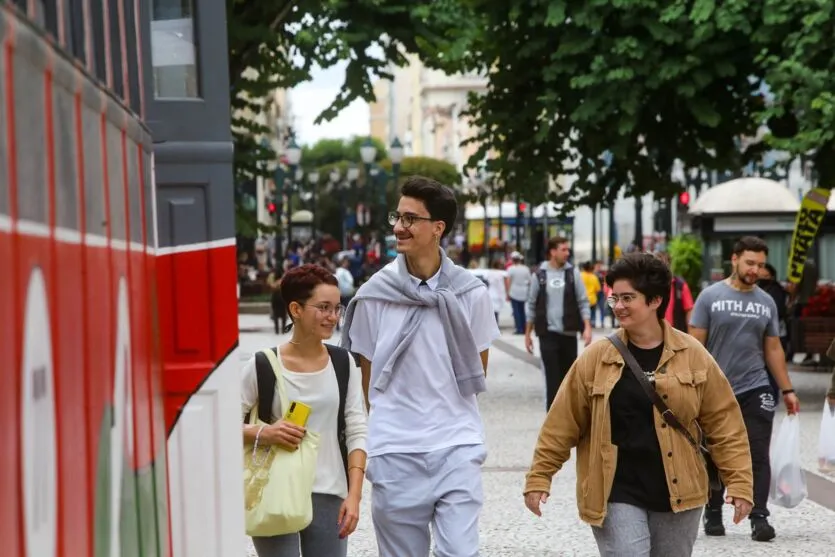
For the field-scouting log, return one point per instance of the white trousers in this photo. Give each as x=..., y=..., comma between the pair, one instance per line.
x=411, y=491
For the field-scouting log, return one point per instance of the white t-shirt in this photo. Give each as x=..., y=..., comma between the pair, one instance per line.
x=320, y=391
x=520, y=280
x=421, y=410
x=345, y=280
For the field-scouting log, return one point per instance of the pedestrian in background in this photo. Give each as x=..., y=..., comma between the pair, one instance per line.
x=739, y=325
x=642, y=483
x=593, y=288
x=681, y=299
x=517, y=284
x=557, y=309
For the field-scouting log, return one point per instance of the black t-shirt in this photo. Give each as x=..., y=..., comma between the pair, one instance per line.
x=640, y=479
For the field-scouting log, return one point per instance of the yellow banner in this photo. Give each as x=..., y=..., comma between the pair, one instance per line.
x=809, y=219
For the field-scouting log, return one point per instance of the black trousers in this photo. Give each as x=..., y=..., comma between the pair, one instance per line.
x=558, y=353
x=757, y=408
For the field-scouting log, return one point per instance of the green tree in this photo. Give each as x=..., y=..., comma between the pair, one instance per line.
x=330, y=151
x=609, y=94
x=332, y=205
x=277, y=44
x=798, y=57
x=686, y=256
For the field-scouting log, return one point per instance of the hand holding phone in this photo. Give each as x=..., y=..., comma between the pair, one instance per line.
x=284, y=434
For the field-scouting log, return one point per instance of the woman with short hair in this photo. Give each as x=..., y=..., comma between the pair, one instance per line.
x=641, y=483
x=311, y=295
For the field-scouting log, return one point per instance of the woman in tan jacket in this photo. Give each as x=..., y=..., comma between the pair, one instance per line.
x=641, y=484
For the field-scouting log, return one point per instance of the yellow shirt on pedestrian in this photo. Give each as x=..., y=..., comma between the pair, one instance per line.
x=592, y=286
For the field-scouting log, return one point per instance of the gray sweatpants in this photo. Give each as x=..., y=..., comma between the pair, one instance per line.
x=413, y=490
x=319, y=539
x=630, y=531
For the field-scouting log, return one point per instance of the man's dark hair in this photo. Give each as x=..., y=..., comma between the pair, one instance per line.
x=750, y=243
x=647, y=274
x=439, y=199
x=556, y=241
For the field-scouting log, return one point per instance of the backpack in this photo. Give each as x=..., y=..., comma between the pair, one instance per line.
x=267, y=384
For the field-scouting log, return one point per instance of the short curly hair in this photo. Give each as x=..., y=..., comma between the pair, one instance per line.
x=647, y=274
x=298, y=283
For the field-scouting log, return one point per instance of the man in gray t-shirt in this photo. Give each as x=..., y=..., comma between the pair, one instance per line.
x=738, y=323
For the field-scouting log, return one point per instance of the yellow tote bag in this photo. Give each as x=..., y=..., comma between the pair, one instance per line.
x=278, y=484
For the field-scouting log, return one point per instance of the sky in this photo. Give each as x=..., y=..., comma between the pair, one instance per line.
x=310, y=98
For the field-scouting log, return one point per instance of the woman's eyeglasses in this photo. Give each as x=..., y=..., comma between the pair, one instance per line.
x=626, y=299
x=327, y=309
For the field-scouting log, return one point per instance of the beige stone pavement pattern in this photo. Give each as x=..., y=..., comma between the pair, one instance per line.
x=513, y=410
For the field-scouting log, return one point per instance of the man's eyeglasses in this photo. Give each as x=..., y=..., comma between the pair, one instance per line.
x=327, y=309
x=408, y=219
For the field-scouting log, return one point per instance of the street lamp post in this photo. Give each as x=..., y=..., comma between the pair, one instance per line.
x=313, y=178
x=294, y=157
x=368, y=154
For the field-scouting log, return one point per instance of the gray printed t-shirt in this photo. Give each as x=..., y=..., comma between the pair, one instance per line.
x=737, y=324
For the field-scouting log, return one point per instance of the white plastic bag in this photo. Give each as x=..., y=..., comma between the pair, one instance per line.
x=826, y=441
x=788, y=482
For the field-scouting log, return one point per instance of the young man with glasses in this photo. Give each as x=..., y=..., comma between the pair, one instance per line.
x=422, y=327
x=558, y=309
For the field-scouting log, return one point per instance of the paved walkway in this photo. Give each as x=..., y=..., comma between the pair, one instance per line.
x=513, y=410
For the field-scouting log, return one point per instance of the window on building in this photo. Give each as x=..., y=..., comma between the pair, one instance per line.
x=4, y=166
x=99, y=55
x=173, y=51
x=134, y=192
x=116, y=183
x=93, y=173
x=115, y=30
x=66, y=175
x=132, y=57
x=30, y=138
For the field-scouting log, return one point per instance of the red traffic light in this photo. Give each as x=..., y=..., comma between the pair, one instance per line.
x=271, y=207
x=523, y=207
x=684, y=198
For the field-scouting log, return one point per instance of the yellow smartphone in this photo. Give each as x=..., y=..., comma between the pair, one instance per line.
x=297, y=413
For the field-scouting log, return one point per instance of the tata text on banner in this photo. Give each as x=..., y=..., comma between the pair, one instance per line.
x=809, y=218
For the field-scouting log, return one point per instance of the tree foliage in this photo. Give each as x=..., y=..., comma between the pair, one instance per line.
x=798, y=56
x=277, y=44
x=333, y=204
x=608, y=94
x=329, y=151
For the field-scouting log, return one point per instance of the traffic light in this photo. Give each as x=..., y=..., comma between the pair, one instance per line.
x=683, y=202
x=271, y=207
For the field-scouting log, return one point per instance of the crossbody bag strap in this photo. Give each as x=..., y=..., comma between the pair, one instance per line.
x=666, y=414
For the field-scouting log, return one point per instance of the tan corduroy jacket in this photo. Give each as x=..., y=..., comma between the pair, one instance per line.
x=695, y=389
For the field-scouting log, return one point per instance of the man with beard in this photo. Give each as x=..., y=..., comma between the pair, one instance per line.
x=422, y=327
x=738, y=323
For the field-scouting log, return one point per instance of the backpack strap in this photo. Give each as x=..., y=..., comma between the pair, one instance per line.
x=265, y=374
x=342, y=367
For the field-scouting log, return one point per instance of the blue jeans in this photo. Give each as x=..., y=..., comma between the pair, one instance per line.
x=518, y=315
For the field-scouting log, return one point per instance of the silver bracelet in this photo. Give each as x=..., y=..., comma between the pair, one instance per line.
x=257, y=440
